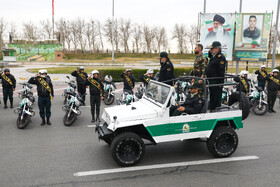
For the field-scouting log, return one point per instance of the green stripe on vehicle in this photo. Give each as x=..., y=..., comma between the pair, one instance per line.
x=188, y=127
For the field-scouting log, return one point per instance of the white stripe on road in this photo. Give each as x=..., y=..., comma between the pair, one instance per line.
x=160, y=166
x=92, y=126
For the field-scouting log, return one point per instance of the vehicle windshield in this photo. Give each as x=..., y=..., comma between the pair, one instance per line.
x=157, y=92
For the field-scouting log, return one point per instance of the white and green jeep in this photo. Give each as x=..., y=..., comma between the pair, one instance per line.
x=126, y=126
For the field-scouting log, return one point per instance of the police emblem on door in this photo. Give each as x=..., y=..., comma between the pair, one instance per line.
x=186, y=128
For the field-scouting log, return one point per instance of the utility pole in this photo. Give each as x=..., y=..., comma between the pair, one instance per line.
x=240, y=6
x=113, y=30
x=204, y=7
x=275, y=37
x=53, y=17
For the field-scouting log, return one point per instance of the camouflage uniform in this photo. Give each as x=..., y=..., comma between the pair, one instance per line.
x=200, y=64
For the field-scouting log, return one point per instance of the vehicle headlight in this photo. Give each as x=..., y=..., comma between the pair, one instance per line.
x=77, y=103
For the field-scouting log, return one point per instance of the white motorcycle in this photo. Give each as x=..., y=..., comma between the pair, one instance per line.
x=109, y=90
x=25, y=110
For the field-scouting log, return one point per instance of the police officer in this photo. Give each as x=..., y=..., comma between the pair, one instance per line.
x=149, y=75
x=45, y=94
x=192, y=105
x=245, y=82
x=273, y=86
x=81, y=77
x=166, y=70
x=262, y=75
x=128, y=81
x=9, y=85
x=96, y=94
x=200, y=62
x=216, y=68
x=252, y=31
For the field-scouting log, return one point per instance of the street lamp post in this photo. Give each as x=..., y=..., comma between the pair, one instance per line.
x=275, y=37
x=112, y=30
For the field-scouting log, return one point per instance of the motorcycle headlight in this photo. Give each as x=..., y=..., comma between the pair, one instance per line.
x=77, y=103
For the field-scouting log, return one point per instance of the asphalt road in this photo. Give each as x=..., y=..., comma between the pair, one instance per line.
x=50, y=155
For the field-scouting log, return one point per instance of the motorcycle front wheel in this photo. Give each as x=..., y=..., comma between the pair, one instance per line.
x=259, y=110
x=69, y=120
x=108, y=100
x=24, y=122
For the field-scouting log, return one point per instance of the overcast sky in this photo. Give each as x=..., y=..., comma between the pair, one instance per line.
x=153, y=12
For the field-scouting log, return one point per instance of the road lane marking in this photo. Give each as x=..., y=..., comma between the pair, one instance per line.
x=92, y=126
x=160, y=166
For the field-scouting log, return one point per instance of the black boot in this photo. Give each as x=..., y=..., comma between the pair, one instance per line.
x=269, y=110
x=12, y=106
x=43, y=122
x=272, y=110
x=5, y=106
x=48, y=121
x=97, y=119
x=92, y=119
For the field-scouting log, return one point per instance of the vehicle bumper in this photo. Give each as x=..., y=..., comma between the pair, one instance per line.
x=104, y=132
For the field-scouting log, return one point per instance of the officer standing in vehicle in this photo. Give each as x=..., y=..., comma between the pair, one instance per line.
x=166, y=70
x=128, y=81
x=200, y=62
x=9, y=85
x=262, y=75
x=96, y=94
x=147, y=77
x=245, y=82
x=45, y=94
x=273, y=87
x=216, y=68
x=81, y=78
x=192, y=105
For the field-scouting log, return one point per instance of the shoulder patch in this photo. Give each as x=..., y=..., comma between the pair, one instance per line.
x=168, y=69
x=200, y=101
x=167, y=63
x=222, y=62
x=219, y=55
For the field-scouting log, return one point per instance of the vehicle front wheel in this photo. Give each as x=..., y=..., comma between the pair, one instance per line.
x=127, y=149
x=222, y=142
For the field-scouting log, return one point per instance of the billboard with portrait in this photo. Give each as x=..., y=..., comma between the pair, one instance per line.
x=252, y=36
x=218, y=27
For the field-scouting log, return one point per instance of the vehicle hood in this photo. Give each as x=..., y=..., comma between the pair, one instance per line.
x=135, y=111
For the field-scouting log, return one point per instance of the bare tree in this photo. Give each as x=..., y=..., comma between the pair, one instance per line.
x=180, y=33
x=31, y=32
x=74, y=34
x=192, y=35
x=80, y=30
x=99, y=26
x=160, y=36
x=14, y=32
x=3, y=26
x=137, y=36
x=149, y=36
x=46, y=28
x=109, y=30
x=125, y=32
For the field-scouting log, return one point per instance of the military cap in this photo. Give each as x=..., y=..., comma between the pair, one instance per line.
x=163, y=54
x=219, y=19
x=195, y=85
x=215, y=44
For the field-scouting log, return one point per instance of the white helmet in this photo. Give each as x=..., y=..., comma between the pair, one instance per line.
x=128, y=70
x=81, y=67
x=242, y=73
x=42, y=71
x=150, y=71
x=108, y=78
x=275, y=71
x=263, y=66
x=94, y=71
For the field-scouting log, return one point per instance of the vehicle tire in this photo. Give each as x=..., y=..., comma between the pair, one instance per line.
x=69, y=121
x=22, y=124
x=259, y=111
x=222, y=142
x=127, y=149
x=65, y=99
x=110, y=100
x=234, y=97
